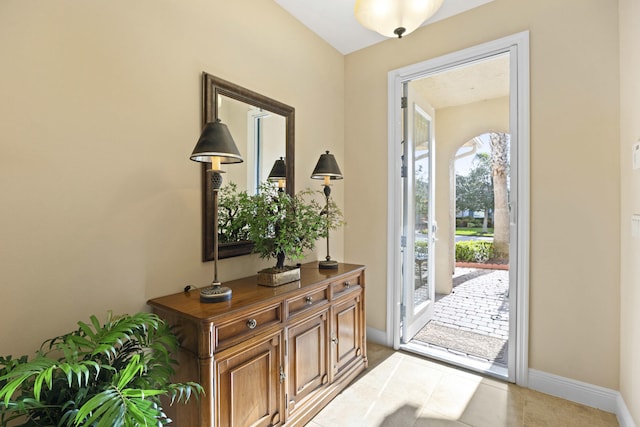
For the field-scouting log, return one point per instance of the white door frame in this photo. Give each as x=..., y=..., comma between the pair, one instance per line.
x=518, y=47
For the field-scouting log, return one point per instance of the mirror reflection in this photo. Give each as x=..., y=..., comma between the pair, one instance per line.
x=263, y=130
x=260, y=136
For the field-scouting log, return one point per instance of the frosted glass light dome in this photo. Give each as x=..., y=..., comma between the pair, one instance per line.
x=395, y=17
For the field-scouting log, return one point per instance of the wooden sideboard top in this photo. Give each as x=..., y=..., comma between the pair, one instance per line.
x=246, y=292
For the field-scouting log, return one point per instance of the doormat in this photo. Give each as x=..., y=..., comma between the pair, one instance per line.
x=465, y=342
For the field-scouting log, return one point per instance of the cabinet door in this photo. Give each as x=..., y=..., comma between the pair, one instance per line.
x=248, y=383
x=308, y=358
x=347, y=334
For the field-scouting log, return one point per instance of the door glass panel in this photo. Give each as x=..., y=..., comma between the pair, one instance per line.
x=421, y=197
x=418, y=216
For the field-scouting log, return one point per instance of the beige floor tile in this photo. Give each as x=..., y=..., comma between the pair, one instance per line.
x=450, y=397
x=544, y=410
x=377, y=353
x=378, y=399
x=390, y=415
x=401, y=389
x=347, y=409
x=437, y=422
x=420, y=382
x=494, y=407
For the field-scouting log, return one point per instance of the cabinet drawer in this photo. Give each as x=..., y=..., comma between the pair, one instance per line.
x=307, y=301
x=340, y=287
x=244, y=326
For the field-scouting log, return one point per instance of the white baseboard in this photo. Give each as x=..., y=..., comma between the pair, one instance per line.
x=377, y=336
x=624, y=416
x=583, y=393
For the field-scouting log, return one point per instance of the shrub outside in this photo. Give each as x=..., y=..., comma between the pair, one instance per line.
x=479, y=251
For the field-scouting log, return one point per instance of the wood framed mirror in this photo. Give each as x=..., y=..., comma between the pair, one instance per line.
x=264, y=131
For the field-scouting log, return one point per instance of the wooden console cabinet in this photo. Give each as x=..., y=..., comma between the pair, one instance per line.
x=270, y=356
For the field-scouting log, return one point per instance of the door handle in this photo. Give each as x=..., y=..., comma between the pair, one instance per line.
x=434, y=230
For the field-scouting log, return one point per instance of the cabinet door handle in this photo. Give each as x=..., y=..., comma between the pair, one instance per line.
x=309, y=300
x=347, y=284
x=334, y=340
x=252, y=323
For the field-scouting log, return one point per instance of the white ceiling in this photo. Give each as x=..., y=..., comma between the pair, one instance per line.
x=334, y=21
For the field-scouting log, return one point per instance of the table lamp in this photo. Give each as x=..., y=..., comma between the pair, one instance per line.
x=279, y=173
x=216, y=146
x=327, y=169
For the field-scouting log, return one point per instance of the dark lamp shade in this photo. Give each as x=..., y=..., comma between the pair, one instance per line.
x=216, y=142
x=327, y=167
x=278, y=171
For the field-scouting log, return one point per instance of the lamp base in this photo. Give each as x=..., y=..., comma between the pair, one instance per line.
x=215, y=293
x=329, y=264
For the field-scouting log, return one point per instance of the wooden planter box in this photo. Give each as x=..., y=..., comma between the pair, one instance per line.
x=271, y=278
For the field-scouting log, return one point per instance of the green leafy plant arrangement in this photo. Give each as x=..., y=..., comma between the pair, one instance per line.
x=99, y=375
x=284, y=226
x=231, y=224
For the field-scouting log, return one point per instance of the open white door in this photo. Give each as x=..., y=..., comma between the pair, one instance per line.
x=406, y=312
x=418, y=242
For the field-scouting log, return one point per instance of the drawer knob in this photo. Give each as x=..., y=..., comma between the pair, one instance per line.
x=347, y=284
x=309, y=300
x=252, y=323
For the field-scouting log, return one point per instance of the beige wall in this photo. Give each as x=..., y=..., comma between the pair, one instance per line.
x=99, y=112
x=630, y=198
x=100, y=109
x=454, y=127
x=575, y=214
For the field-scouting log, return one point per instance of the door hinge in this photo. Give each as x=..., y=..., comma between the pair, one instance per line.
x=403, y=241
x=282, y=375
x=403, y=168
x=403, y=102
x=403, y=311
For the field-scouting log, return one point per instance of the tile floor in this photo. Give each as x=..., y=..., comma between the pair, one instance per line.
x=400, y=389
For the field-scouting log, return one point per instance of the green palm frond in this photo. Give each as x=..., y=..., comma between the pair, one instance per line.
x=127, y=406
x=39, y=369
x=181, y=393
x=97, y=375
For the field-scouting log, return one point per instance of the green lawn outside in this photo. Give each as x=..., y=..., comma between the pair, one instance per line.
x=474, y=232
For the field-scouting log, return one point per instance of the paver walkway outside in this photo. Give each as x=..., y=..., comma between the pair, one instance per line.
x=477, y=307
x=478, y=303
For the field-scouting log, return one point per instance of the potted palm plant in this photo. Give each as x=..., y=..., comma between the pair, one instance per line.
x=284, y=226
x=110, y=374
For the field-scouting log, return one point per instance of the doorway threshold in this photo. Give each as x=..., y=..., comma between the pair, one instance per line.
x=484, y=367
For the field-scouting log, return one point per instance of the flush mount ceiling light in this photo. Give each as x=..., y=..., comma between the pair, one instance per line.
x=395, y=17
